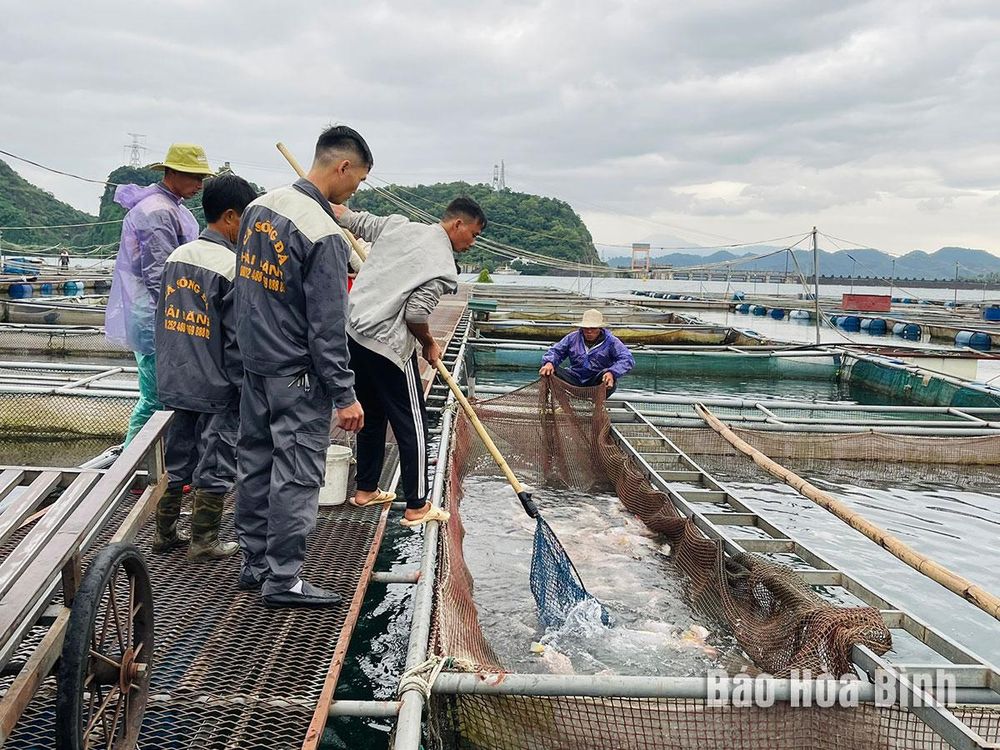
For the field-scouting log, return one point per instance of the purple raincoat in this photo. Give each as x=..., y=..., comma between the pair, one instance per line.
x=156, y=224
x=611, y=355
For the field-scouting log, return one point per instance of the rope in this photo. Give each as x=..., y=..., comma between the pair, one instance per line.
x=422, y=677
x=921, y=563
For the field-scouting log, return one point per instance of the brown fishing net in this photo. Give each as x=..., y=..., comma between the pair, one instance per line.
x=561, y=435
x=556, y=435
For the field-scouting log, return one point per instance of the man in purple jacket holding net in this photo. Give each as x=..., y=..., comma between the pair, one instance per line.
x=595, y=355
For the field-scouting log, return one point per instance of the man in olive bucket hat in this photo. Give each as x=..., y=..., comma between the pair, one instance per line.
x=595, y=355
x=156, y=224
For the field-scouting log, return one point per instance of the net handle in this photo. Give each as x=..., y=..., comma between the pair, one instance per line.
x=523, y=495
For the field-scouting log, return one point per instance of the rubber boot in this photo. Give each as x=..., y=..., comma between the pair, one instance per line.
x=205, y=519
x=168, y=510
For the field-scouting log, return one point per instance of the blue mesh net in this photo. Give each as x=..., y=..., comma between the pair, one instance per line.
x=555, y=582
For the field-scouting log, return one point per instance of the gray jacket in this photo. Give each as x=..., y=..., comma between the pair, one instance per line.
x=198, y=365
x=291, y=289
x=409, y=267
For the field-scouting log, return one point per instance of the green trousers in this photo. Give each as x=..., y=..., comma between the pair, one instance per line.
x=148, y=400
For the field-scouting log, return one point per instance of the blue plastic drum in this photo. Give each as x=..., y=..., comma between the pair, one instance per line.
x=974, y=340
x=20, y=291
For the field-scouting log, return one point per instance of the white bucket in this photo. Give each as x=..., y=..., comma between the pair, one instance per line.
x=338, y=466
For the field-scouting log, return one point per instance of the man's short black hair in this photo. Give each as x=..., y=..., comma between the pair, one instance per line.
x=224, y=192
x=341, y=137
x=465, y=208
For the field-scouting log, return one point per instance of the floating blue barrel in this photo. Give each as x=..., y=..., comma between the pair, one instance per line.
x=102, y=285
x=951, y=304
x=911, y=332
x=849, y=322
x=744, y=308
x=777, y=313
x=897, y=300
x=799, y=314
x=673, y=296
x=758, y=310
x=874, y=326
x=73, y=287
x=20, y=291
x=897, y=328
x=991, y=313
x=45, y=288
x=973, y=340
x=739, y=296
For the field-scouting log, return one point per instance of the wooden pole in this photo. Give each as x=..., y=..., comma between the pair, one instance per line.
x=965, y=588
x=293, y=162
x=522, y=494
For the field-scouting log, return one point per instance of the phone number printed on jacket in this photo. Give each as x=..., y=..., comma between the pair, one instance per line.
x=269, y=275
x=178, y=317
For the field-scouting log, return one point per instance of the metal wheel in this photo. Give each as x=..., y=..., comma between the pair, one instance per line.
x=106, y=658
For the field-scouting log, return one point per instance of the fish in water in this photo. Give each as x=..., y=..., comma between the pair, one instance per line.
x=555, y=661
x=696, y=637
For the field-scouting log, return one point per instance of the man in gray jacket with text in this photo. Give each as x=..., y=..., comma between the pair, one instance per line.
x=291, y=310
x=409, y=267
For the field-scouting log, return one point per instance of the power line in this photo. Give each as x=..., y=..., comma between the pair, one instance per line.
x=437, y=206
x=704, y=247
x=56, y=171
x=68, y=226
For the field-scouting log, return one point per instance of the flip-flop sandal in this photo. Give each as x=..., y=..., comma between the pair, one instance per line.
x=383, y=496
x=434, y=514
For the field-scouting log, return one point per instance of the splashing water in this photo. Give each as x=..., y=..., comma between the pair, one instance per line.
x=628, y=577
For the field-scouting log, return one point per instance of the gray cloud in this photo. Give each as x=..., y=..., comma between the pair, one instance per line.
x=737, y=118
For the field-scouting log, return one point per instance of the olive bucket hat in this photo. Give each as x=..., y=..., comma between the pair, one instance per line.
x=185, y=157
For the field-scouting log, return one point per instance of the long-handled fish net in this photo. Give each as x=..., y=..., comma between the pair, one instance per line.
x=555, y=582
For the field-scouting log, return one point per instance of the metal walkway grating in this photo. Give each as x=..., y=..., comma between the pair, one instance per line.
x=229, y=673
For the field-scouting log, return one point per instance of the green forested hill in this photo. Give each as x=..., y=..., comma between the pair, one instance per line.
x=541, y=225
x=23, y=204
x=111, y=211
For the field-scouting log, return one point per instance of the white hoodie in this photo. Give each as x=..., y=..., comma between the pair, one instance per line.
x=409, y=267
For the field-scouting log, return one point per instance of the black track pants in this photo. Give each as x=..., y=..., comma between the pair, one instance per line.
x=395, y=397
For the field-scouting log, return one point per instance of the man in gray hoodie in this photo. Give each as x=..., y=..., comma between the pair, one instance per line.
x=409, y=267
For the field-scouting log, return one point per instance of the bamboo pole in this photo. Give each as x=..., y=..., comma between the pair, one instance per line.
x=294, y=163
x=955, y=583
x=522, y=494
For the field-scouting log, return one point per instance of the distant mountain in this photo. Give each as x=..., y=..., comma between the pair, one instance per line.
x=25, y=205
x=856, y=262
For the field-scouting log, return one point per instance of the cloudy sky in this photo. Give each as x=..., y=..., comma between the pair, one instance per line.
x=701, y=122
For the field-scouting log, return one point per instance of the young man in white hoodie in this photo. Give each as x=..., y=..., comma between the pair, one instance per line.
x=409, y=267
